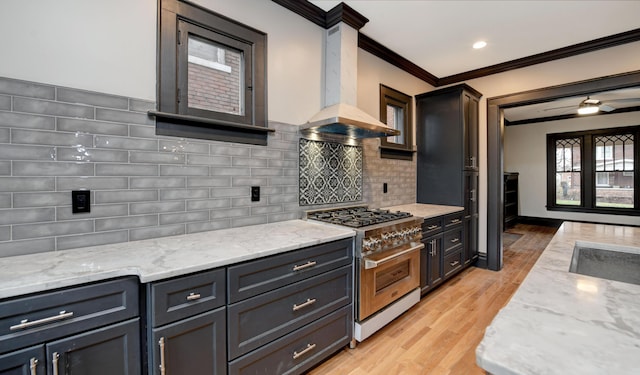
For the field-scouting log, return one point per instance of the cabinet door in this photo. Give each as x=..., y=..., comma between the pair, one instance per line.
x=471, y=239
x=470, y=108
x=30, y=361
x=195, y=345
x=433, y=261
x=110, y=350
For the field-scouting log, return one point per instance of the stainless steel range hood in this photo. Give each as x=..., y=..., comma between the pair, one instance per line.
x=341, y=116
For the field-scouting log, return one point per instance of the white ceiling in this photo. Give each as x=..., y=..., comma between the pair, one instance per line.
x=437, y=35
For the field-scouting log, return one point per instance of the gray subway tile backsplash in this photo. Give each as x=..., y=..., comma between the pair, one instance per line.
x=143, y=186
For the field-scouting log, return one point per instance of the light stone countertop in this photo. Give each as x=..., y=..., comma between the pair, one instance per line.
x=560, y=322
x=160, y=258
x=426, y=211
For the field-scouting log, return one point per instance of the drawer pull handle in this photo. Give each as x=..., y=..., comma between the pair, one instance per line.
x=162, y=365
x=454, y=240
x=455, y=221
x=309, y=302
x=455, y=263
x=310, y=263
x=306, y=350
x=193, y=296
x=430, y=227
x=25, y=323
x=33, y=363
x=54, y=362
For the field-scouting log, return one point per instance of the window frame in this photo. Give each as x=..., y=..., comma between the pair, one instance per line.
x=178, y=19
x=392, y=150
x=588, y=182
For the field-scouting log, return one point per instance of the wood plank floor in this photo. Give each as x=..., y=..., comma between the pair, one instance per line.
x=440, y=334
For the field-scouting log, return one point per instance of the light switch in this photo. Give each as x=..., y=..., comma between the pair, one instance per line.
x=80, y=201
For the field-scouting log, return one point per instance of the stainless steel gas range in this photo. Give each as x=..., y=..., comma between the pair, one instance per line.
x=387, y=249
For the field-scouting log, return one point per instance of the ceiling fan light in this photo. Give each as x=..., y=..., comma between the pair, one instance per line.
x=588, y=107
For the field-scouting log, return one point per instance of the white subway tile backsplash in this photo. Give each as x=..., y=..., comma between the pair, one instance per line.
x=126, y=170
x=157, y=182
x=5, y=233
x=126, y=222
x=183, y=146
x=91, y=183
x=97, y=211
x=249, y=220
x=114, y=115
x=176, y=170
x=91, y=239
x=230, y=212
x=249, y=162
x=173, y=194
x=91, y=155
x=234, y=150
x=125, y=143
x=42, y=168
x=156, y=207
x=11, y=184
x=248, y=181
x=46, y=107
x=142, y=131
x=40, y=137
x=5, y=135
x=208, y=204
x=155, y=232
x=91, y=98
x=156, y=158
x=24, y=88
x=21, y=200
x=92, y=126
x=5, y=168
x=224, y=161
x=184, y=217
x=122, y=196
x=5, y=102
x=24, y=121
x=208, y=225
x=51, y=229
x=5, y=200
x=14, y=152
x=24, y=247
x=138, y=105
x=209, y=181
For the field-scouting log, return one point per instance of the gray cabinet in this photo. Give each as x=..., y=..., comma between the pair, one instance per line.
x=187, y=324
x=447, y=165
x=290, y=311
x=443, y=252
x=88, y=329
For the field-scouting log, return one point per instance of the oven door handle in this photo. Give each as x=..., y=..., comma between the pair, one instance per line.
x=369, y=263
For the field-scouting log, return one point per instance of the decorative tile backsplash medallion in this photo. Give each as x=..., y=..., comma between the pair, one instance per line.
x=329, y=173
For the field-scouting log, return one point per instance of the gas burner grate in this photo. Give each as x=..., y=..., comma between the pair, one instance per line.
x=357, y=217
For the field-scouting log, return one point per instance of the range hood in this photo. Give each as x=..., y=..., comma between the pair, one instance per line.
x=341, y=116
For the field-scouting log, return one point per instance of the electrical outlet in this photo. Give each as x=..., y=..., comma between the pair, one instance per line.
x=385, y=188
x=255, y=193
x=80, y=201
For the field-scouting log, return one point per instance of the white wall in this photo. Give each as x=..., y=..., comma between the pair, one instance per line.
x=616, y=60
x=525, y=152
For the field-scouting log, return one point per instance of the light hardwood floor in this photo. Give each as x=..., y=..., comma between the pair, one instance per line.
x=440, y=334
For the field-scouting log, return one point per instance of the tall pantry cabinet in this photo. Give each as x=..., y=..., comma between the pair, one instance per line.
x=447, y=141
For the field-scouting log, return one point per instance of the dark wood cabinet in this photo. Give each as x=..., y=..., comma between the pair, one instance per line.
x=187, y=324
x=87, y=329
x=290, y=311
x=510, y=210
x=444, y=248
x=447, y=165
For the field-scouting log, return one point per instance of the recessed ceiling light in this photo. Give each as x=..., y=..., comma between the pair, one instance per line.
x=479, y=44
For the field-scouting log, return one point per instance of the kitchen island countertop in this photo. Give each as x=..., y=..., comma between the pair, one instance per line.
x=426, y=210
x=560, y=322
x=160, y=258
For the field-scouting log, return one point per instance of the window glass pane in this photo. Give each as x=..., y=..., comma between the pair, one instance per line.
x=215, y=75
x=568, y=188
x=614, y=171
x=568, y=155
x=395, y=120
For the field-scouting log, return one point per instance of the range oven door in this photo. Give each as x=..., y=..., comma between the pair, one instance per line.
x=387, y=276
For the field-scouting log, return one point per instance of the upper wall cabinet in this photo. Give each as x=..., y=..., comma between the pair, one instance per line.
x=447, y=140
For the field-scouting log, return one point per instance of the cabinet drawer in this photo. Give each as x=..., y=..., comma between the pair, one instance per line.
x=46, y=316
x=431, y=226
x=452, y=239
x=299, y=350
x=263, y=275
x=453, y=220
x=453, y=263
x=261, y=319
x=179, y=298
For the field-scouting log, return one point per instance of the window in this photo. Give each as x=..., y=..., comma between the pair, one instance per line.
x=396, y=112
x=593, y=171
x=211, y=76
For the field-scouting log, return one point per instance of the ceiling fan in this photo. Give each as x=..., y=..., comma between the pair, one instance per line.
x=590, y=106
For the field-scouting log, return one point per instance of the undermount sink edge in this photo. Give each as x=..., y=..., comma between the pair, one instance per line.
x=606, y=261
